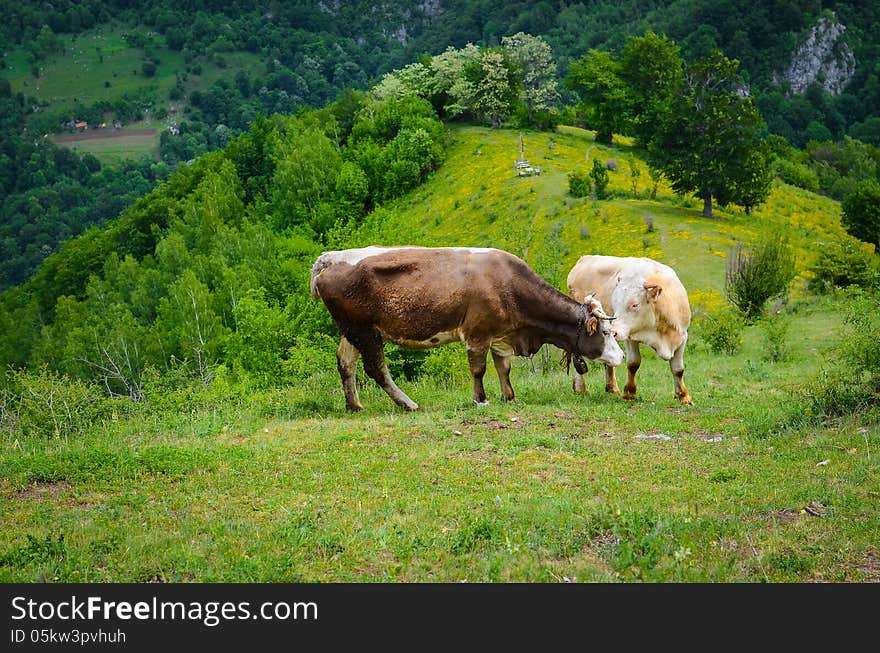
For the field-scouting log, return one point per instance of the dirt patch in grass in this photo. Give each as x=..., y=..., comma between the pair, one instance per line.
x=42, y=490
x=869, y=566
x=495, y=424
x=785, y=515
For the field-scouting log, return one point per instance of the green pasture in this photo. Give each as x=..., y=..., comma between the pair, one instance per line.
x=112, y=151
x=286, y=486
x=747, y=485
x=80, y=75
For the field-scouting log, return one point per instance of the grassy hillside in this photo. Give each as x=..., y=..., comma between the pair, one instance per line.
x=478, y=199
x=221, y=484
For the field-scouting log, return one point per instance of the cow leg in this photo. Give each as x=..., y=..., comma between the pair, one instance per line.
x=502, y=366
x=477, y=363
x=376, y=368
x=611, y=380
x=676, y=364
x=633, y=362
x=346, y=361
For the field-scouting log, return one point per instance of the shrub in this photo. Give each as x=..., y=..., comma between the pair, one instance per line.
x=854, y=383
x=599, y=175
x=844, y=263
x=579, y=183
x=797, y=174
x=861, y=212
x=47, y=404
x=722, y=332
x=758, y=273
x=776, y=347
x=447, y=364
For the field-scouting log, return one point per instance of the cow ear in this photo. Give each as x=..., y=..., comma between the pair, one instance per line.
x=592, y=325
x=653, y=290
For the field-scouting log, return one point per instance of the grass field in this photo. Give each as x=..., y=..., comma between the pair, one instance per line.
x=96, y=65
x=112, y=150
x=283, y=485
x=552, y=487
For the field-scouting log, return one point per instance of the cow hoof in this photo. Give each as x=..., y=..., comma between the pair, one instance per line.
x=686, y=400
x=411, y=407
x=629, y=396
x=354, y=408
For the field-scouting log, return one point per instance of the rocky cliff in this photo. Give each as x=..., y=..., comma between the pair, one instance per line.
x=824, y=57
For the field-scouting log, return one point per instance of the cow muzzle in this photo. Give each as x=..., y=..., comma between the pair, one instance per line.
x=612, y=354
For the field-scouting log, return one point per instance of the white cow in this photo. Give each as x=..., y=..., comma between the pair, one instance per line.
x=650, y=306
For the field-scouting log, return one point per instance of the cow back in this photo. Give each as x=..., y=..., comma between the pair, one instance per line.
x=414, y=293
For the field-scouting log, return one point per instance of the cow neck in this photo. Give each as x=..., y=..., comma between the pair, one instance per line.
x=545, y=312
x=560, y=315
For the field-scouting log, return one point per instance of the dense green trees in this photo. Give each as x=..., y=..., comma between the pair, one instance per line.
x=606, y=99
x=312, y=51
x=653, y=69
x=209, y=271
x=49, y=193
x=488, y=85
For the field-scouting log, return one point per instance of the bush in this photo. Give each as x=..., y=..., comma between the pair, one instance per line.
x=599, y=175
x=797, y=174
x=757, y=274
x=841, y=264
x=579, y=183
x=47, y=404
x=776, y=347
x=447, y=364
x=722, y=332
x=853, y=384
x=861, y=212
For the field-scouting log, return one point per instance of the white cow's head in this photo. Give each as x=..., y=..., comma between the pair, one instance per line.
x=633, y=305
x=642, y=315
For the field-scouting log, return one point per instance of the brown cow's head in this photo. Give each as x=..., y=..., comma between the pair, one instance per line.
x=595, y=339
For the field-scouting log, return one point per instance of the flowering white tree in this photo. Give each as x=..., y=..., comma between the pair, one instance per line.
x=534, y=59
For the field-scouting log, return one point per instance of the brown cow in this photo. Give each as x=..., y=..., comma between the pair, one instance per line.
x=420, y=298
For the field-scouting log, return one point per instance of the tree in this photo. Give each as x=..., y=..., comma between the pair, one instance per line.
x=188, y=326
x=758, y=273
x=749, y=180
x=653, y=69
x=708, y=143
x=605, y=99
x=861, y=212
x=534, y=59
x=305, y=173
x=490, y=88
